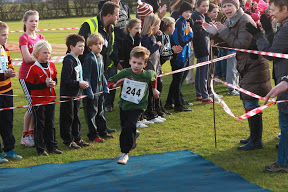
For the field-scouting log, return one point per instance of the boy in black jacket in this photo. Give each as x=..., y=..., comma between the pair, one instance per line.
x=71, y=85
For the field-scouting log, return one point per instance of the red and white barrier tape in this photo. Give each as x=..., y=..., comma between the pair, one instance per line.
x=56, y=29
x=53, y=61
x=279, y=55
x=198, y=65
x=246, y=115
x=54, y=58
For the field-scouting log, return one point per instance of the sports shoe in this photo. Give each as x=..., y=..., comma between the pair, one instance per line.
x=135, y=140
x=72, y=145
x=208, y=101
x=43, y=153
x=55, y=150
x=107, y=136
x=156, y=120
x=139, y=124
x=2, y=159
x=169, y=106
x=198, y=99
x=82, y=143
x=98, y=140
x=161, y=118
x=108, y=109
x=146, y=122
x=110, y=130
x=123, y=159
x=182, y=109
x=233, y=93
x=12, y=154
x=27, y=141
x=276, y=168
x=278, y=136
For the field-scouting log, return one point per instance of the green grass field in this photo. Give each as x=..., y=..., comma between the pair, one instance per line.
x=191, y=130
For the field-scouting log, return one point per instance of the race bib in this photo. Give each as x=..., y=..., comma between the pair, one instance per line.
x=3, y=64
x=133, y=91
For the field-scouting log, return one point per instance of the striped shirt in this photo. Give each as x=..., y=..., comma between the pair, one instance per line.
x=5, y=83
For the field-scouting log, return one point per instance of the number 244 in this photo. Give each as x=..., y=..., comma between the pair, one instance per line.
x=133, y=91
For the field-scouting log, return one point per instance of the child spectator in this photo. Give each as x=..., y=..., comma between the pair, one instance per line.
x=41, y=80
x=131, y=40
x=6, y=117
x=152, y=43
x=26, y=44
x=93, y=73
x=182, y=35
x=201, y=43
x=71, y=85
x=133, y=98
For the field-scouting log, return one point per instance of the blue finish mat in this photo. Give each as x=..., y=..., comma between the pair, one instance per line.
x=173, y=171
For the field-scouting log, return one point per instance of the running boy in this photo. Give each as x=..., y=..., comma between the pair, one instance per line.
x=71, y=85
x=6, y=117
x=134, y=97
x=41, y=80
x=93, y=73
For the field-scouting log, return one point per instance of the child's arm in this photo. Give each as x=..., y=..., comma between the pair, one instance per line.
x=113, y=85
x=145, y=42
x=156, y=93
x=87, y=69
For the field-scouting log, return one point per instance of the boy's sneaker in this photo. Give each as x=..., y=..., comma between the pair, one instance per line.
x=182, y=109
x=108, y=109
x=107, y=136
x=156, y=120
x=276, y=168
x=146, y=122
x=55, y=150
x=110, y=130
x=2, y=159
x=98, y=140
x=233, y=93
x=208, y=101
x=12, y=154
x=82, y=143
x=161, y=118
x=198, y=98
x=72, y=145
x=43, y=153
x=123, y=159
x=139, y=124
x=135, y=140
x=27, y=141
x=278, y=136
x=169, y=106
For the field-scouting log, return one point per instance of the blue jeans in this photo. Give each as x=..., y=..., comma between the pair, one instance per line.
x=201, y=77
x=220, y=69
x=232, y=75
x=283, y=144
x=109, y=97
x=251, y=104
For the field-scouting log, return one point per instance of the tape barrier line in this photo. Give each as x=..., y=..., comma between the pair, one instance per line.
x=53, y=61
x=56, y=29
x=279, y=55
x=246, y=115
x=198, y=65
x=54, y=58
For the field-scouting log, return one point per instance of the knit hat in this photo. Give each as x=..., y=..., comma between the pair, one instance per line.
x=234, y=2
x=185, y=7
x=144, y=9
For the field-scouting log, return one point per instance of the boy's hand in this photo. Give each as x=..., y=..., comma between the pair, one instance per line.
x=159, y=43
x=10, y=73
x=156, y=93
x=83, y=84
x=177, y=49
x=119, y=83
x=50, y=84
x=119, y=66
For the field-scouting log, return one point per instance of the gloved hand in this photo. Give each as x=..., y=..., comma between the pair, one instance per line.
x=137, y=39
x=251, y=29
x=266, y=22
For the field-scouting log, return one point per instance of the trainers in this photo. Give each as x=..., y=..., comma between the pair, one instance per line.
x=276, y=168
x=43, y=153
x=135, y=140
x=278, y=136
x=12, y=154
x=98, y=140
x=139, y=124
x=111, y=130
x=156, y=120
x=198, y=98
x=233, y=93
x=146, y=122
x=72, y=145
x=161, y=118
x=107, y=136
x=182, y=109
x=27, y=141
x=82, y=143
x=169, y=106
x=123, y=159
x=55, y=150
x=108, y=109
x=2, y=159
x=208, y=101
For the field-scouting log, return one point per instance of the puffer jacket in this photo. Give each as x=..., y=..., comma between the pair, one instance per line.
x=279, y=45
x=254, y=71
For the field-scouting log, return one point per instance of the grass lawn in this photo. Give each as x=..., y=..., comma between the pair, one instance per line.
x=188, y=130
